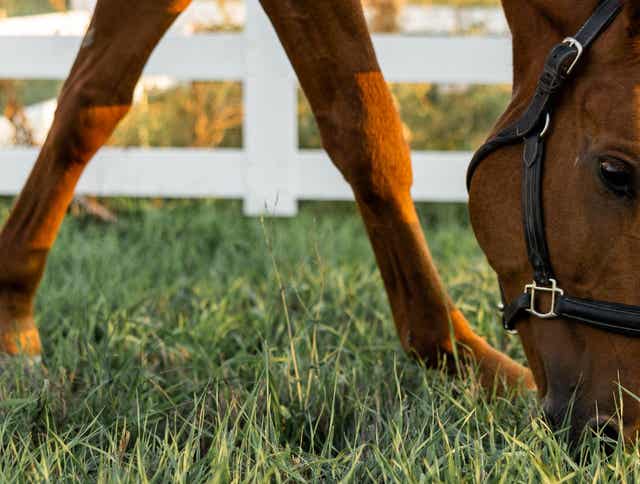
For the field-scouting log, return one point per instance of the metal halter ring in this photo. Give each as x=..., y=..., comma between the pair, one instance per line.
x=547, y=124
x=574, y=43
x=554, y=290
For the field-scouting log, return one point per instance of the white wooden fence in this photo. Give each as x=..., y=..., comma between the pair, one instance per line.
x=270, y=174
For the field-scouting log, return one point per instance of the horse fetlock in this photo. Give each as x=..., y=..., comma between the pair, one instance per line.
x=18, y=332
x=424, y=332
x=20, y=271
x=428, y=348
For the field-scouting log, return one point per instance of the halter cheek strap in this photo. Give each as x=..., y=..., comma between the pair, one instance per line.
x=530, y=130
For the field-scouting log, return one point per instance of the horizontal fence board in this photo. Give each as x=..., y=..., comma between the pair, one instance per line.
x=473, y=60
x=201, y=57
x=136, y=172
x=204, y=57
x=197, y=173
x=222, y=57
x=439, y=176
x=37, y=57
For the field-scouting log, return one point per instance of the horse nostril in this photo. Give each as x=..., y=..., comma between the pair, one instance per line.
x=607, y=429
x=555, y=415
x=604, y=426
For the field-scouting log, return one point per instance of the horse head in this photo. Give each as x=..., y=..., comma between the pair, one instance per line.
x=590, y=197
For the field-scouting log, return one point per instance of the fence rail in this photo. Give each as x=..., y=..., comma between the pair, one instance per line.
x=270, y=173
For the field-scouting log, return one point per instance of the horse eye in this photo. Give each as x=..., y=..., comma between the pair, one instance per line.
x=617, y=175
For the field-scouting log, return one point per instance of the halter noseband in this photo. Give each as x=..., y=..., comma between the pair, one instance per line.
x=530, y=130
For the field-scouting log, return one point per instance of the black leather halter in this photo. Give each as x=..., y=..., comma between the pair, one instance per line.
x=530, y=130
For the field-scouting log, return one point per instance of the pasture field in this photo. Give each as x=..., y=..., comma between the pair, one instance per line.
x=187, y=343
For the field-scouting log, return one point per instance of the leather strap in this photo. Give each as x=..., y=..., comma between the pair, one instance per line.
x=511, y=313
x=551, y=81
x=601, y=18
x=616, y=318
x=530, y=130
x=532, y=210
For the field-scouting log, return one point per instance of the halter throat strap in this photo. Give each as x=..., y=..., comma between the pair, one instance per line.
x=530, y=129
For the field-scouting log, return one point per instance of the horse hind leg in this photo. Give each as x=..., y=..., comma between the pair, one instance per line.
x=330, y=48
x=95, y=97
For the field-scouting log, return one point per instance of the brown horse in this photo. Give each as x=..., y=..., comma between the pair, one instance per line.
x=594, y=229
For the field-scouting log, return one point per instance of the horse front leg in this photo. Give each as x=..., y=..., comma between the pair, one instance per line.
x=330, y=48
x=95, y=97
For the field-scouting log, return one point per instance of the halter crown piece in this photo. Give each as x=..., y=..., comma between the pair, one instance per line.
x=530, y=130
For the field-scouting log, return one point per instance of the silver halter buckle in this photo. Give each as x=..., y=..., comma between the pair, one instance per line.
x=570, y=41
x=554, y=290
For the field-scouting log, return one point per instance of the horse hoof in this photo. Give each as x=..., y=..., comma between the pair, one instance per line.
x=23, y=378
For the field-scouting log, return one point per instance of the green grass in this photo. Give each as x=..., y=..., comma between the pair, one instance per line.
x=170, y=357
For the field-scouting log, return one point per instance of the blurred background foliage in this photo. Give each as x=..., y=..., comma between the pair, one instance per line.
x=198, y=114
x=209, y=114
x=436, y=117
x=29, y=7
x=27, y=92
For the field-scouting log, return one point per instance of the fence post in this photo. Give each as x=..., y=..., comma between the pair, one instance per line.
x=270, y=120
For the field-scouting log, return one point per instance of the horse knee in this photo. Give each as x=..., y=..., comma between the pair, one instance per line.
x=363, y=135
